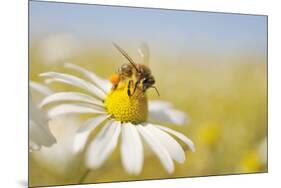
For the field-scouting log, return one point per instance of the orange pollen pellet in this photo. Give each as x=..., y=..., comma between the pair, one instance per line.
x=114, y=79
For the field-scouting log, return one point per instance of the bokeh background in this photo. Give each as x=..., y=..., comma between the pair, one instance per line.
x=213, y=66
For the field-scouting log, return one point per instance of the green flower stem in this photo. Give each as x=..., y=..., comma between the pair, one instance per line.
x=84, y=176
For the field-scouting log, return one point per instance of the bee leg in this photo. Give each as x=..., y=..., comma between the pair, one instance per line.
x=129, y=88
x=135, y=87
x=114, y=86
x=155, y=90
x=142, y=91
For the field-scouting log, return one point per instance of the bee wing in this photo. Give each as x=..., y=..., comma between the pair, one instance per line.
x=144, y=53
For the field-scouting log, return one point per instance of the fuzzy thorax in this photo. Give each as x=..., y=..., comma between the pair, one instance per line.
x=123, y=108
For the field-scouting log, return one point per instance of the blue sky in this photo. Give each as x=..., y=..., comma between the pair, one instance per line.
x=214, y=32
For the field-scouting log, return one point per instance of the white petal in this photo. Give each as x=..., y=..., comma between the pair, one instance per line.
x=36, y=114
x=70, y=96
x=131, y=149
x=40, y=88
x=40, y=135
x=163, y=111
x=79, y=141
x=39, y=132
x=172, y=146
x=32, y=146
x=101, y=83
x=103, y=145
x=92, y=123
x=75, y=81
x=64, y=109
x=157, y=148
x=84, y=131
x=158, y=105
x=177, y=117
x=181, y=136
x=50, y=80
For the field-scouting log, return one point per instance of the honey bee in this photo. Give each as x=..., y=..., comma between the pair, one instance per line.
x=139, y=75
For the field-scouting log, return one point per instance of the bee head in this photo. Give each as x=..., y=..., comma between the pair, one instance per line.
x=143, y=72
x=148, y=82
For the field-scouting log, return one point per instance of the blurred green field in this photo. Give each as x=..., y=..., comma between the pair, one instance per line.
x=224, y=98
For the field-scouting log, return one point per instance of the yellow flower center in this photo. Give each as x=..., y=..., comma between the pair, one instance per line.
x=126, y=108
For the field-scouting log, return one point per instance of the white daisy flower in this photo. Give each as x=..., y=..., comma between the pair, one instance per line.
x=123, y=118
x=39, y=132
x=60, y=158
x=48, y=46
x=63, y=129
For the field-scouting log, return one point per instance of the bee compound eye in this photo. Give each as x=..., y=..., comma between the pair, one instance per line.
x=144, y=80
x=151, y=80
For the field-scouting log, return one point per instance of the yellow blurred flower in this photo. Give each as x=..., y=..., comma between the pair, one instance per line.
x=208, y=133
x=254, y=160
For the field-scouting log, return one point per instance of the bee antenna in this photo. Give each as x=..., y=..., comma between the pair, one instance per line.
x=156, y=90
x=126, y=55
